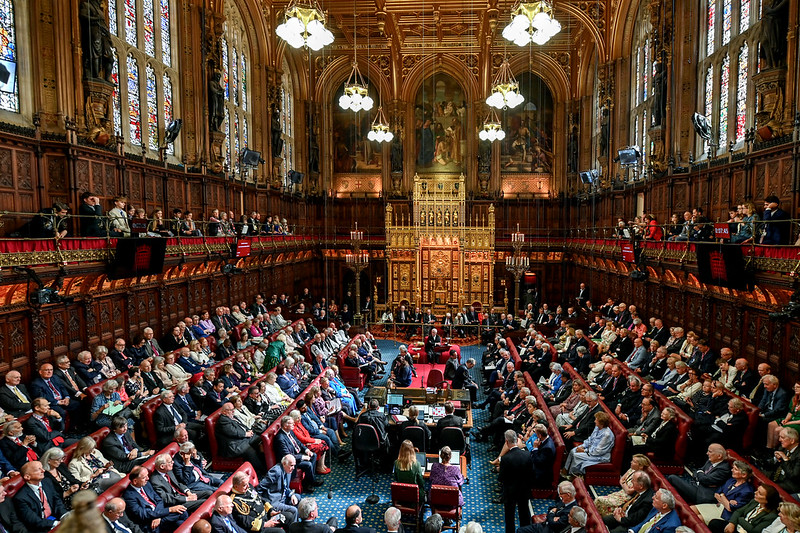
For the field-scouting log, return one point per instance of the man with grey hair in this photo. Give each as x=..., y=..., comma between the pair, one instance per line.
x=276, y=488
x=577, y=520
x=516, y=487
x=662, y=516
x=151, y=346
x=114, y=515
x=636, y=508
x=392, y=520
x=190, y=469
x=307, y=512
x=701, y=485
x=557, y=518
x=172, y=491
x=433, y=524
x=463, y=379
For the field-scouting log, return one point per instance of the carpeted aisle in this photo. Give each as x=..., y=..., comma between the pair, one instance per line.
x=341, y=489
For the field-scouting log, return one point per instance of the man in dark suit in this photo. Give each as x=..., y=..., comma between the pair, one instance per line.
x=88, y=370
x=237, y=441
x=118, y=354
x=353, y=520
x=542, y=457
x=14, y=397
x=275, y=488
x=189, y=468
x=147, y=509
x=463, y=379
x=787, y=471
x=516, y=487
x=169, y=417
x=38, y=503
x=121, y=448
x=583, y=426
x=54, y=391
x=307, y=512
x=577, y=520
x=69, y=377
x=431, y=342
x=775, y=401
x=777, y=228
x=727, y=429
x=700, y=486
x=150, y=378
x=172, y=491
x=47, y=426
x=662, y=518
x=635, y=509
x=649, y=418
x=173, y=340
x=745, y=379
x=221, y=519
x=116, y=521
x=557, y=518
x=286, y=443
x=8, y=516
x=583, y=294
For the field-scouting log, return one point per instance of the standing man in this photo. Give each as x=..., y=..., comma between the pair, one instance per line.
x=514, y=475
x=463, y=379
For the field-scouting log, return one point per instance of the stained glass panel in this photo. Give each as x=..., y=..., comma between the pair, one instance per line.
x=228, y=137
x=645, y=125
x=709, y=103
x=744, y=15
x=166, y=45
x=168, y=108
x=244, y=82
x=638, y=70
x=646, y=68
x=9, y=91
x=244, y=132
x=152, y=108
x=225, y=67
x=234, y=78
x=149, y=28
x=711, y=18
x=727, y=16
x=134, y=103
x=112, y=16
x=130, y=22
x=741, y=93
x=235, y=147
x=636, y=132
x=723, y=101
x=115, y=96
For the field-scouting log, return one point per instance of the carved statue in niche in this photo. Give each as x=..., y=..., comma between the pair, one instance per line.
x=455, y=217
x=397, y=153
x=216, y=102
x=313, y=145
x=98, y=61
x=447, y=217
x=422, y=218
x=774, y=27
x=430, y=217
x=275, y=130
x=659, y=93
x=485, y=157
x=572, y=150
x=439, y=221
x=604, y=131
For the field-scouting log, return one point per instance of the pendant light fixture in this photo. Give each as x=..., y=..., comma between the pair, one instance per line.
x=380, y=131
x=304, y=25
x=492, y=129
x=505, y=89
x=532, y=22
x=356, y=95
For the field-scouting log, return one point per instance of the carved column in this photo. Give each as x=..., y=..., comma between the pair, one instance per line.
x=214, y=104
x=605, y=101
x=276, y=142
x=396, y=113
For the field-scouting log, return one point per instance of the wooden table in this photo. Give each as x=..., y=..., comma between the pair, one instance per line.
x=432, y=457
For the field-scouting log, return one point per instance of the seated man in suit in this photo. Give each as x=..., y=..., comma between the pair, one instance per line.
x=251, y=511
x=431, y=342
x=727, y=429
x=52, y=389
x=169, y=417
x=237, y=441
x=116, y=521
x=275, y=488
x=662, y=517
x=88, y=370
x=38, y=502
x=172, y=491
x=661, y=440
x=577, y=520
x=121, y=448
x=374, y=417
x=635, y=509
x=221, y=519
x=285, y=443
x=68, y=376
x=14, y=397
x=147, y=509
x=700, y=486
x=787, y=471
x=307, y=511
x=353, y=519
x=190, y=469
x=557, y=518
x=47, y=426
x=8, y=516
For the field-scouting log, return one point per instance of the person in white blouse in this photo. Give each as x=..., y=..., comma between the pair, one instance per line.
x=273, y=392
x=89, y=465
x=197, y=354
x=176, y=370
x=245, y=417
x=160, y=370
x=109, y=369
x=788, y=520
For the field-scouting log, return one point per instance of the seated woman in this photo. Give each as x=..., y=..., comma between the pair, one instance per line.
x=606, y=504
x=788, y=520
x=178, y=373
x=106, y=404
x=401, y=376
x=661, y=441
x=109, y=369
x=754, y=516
x=749, y=226
x=569, y=404
x=595, y=450
x=527, y=436
x=407, y=469
x=413, y=420
x=295, y=369
x=232, y=383
x=566, y=419
x=88, y=465
x=256, y=330
x=197, y=354
x=246, y=417
x=328, y=410
x=275, y=395
x=244, y=340
x=330, y=396
x=351, y=403
x=318, y=446
x=205, y=348
x=291, y=346
x=443, y=473
x=160, y=370
x=58, y=473
x=735, y=493
x=286, y=381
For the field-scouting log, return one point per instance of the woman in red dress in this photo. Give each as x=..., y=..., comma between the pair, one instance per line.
x=317, y=446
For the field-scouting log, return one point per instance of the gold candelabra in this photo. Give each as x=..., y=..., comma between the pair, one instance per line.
x=357, y=261
x=516, y=263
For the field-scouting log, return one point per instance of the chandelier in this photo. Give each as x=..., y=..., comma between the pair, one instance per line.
x=492, y=130
x=355, y=95
x=505, y=89
x=304, y=25
x=532, y=22
x=380, y=129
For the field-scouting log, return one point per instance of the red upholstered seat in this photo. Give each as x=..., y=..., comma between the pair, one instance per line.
x=558, y=440
x=608, y=473
x=444, y=500
x=594, y=522
x=148, y=410
x=405, y=496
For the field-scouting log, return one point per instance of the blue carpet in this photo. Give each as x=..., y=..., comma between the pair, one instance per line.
x=341, y=489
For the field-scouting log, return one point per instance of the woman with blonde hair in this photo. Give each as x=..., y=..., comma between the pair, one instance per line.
x=160, y=370
x=85, y=515
x=407, y=469
x=606, y=504
x=89, y=465
x=197, y=354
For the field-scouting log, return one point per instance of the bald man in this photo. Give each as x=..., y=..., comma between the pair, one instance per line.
x=222, y=520
x=354, y=517
x=116, y=521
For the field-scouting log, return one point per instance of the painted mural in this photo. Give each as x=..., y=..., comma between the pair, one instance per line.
x=352, y=151
x=528, y=146
x=440, y=114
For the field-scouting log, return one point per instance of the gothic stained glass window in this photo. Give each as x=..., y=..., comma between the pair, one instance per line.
x=638, y=75
x=646, y=68
x=723, y=100
x=709, y=97
x=234, y=78
x=9, y=91
x=115, y=96
x=149, y=28
x=235, y=149
x=711, y=20
x=152, y=108
x=168, y=108
x=227, y=136
x=146, y=100
x=234, y=64
x=225, y=67
x=287, y=121
x=130, y=22
x=166, y=44
x=243, y=76
x=134, y=103
x=727, y=17
x=741, y=93
x=112, y=16
x=744, y=15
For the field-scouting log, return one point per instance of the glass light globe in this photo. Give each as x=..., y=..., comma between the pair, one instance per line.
x=344, y=101
x=482, y=135
x=314, y=41
x=371, y=135
x=366, y=103
x=315, y=26
x=389, y=136
x=510, y=32
x=540, y=20
x=501, y=135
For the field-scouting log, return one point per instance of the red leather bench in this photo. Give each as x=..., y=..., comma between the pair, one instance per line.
x=119, y=487
x=675, y=465
x=594, y=522
x=558, y=440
